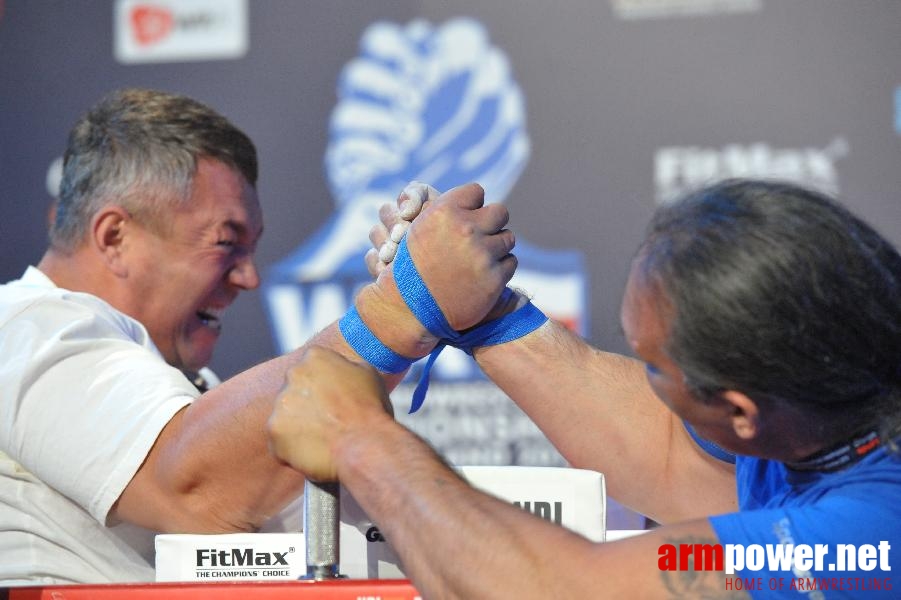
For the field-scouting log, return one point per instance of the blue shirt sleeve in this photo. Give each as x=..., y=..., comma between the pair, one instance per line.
x=830, y=523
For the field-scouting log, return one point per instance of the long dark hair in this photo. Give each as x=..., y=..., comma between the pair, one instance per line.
x=780, y=292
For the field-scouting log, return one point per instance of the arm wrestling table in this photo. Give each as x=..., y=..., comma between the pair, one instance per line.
x=575, y=499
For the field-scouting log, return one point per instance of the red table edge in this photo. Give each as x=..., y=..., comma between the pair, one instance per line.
x=342, y=589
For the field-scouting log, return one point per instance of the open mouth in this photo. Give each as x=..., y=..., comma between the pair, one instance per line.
x=211, y=317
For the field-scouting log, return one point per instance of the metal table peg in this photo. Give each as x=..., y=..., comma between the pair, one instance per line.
x=321, y=515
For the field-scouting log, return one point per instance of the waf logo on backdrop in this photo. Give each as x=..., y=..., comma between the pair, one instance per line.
x=438, y=104
x=420, y=102
x=680, y=169
x=179, y=30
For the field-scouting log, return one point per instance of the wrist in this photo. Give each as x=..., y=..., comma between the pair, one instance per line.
x=383, y=310
x=510, y=300
x=512, y=317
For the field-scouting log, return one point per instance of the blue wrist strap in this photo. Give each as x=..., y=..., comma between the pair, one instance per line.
x=422, y=304
x=363, y=341
x=511, y=326
x=514, y=325
x=417, y=296
x=423, y=386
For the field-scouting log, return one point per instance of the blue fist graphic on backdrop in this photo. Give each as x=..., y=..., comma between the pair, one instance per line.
x=424, y=103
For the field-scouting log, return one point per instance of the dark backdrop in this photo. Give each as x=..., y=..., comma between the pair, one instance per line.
x=627, y=101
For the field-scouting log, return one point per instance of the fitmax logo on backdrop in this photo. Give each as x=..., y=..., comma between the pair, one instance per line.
x=680, y=169
x=656, y=9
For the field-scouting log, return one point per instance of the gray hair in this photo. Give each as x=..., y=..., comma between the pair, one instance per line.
x=781, y=292
x=139, y=149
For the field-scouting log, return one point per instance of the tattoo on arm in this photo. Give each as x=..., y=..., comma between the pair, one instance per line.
x=696, y=577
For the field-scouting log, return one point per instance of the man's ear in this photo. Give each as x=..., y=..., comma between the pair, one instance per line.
x=108, y=235
x=745, y=414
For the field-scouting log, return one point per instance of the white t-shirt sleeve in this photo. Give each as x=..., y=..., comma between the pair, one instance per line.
x=90, y=396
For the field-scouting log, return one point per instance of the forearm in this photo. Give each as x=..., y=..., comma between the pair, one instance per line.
x=457, y=542
x=599, y=411
x=453, y=541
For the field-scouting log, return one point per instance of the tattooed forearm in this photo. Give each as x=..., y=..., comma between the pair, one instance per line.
x=692, y=568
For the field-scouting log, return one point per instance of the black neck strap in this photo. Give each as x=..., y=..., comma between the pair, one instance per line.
x=840, y=456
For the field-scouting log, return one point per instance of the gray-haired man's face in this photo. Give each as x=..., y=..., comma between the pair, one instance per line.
x=183, y=280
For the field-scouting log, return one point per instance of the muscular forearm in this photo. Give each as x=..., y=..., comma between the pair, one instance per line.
x=457, y=542
x=211, y=469
x=453, y=541
x=599, y=411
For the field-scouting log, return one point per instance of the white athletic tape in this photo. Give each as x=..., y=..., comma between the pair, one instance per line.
x=416, y=193
x=387, y=251
x=398, y=231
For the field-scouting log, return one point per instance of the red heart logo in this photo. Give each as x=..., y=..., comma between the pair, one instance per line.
x=150, y=24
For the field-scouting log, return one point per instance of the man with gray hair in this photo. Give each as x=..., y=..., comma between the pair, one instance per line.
x=104, y=439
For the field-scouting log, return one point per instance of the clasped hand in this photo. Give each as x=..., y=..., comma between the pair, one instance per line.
x=461, y=250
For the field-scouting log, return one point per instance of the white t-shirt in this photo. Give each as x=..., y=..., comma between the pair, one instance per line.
x=84, y=393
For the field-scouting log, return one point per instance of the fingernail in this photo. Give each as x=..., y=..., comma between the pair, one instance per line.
x=414, y=191
x=409, y=209
x=398, y=231
x=387, y=251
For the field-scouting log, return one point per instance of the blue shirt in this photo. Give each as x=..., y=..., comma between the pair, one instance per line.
x=859, y=505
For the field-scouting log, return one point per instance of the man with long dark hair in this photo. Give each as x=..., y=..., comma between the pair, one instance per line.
x=762, y=414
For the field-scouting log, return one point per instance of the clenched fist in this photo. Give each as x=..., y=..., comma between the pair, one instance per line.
x=326, y=400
